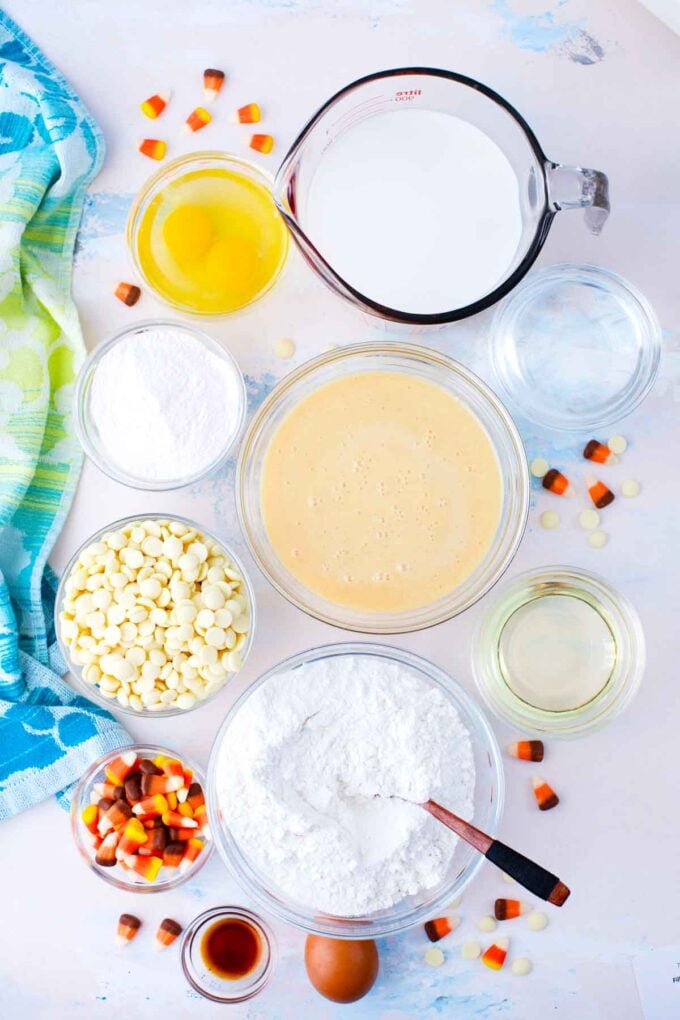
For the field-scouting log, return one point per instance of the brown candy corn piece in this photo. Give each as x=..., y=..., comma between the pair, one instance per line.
x=168, y=930
x=546, y=798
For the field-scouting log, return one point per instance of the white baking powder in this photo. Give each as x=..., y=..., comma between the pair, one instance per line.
x=306, y=774
x=164, y=405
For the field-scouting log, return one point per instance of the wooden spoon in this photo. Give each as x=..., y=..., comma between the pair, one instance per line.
x=532, y=876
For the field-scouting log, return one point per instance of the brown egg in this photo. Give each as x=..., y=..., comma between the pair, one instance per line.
x=343, y=970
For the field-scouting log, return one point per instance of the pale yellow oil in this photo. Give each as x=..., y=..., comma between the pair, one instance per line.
x=212, y=241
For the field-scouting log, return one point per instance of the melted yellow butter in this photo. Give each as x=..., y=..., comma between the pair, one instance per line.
x=212, y=241
x=381, y=492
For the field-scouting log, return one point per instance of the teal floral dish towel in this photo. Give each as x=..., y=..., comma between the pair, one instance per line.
x=50, y=149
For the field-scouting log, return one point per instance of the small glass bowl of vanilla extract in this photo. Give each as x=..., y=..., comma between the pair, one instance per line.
x=228, y=954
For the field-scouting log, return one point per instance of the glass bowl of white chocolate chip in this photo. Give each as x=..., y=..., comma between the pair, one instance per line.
x=154, y=615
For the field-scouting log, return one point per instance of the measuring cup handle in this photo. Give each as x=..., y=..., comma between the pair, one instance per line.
x=576, y=187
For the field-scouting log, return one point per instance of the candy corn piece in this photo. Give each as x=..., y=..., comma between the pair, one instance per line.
x=195, y=797
x=109, y=791
x=154, y=105
x=599, y=493
x=181, y=835
x=213, y=80
x=506, y=910
x=168, y=930
x=152, y=785
x=175, y=820
x=185, y=809
x=106, y=854
x=90, y=817
x=172, y=800
x=173, y=855
x=133, y=789
x=196, y=120
x=154, y=148
x=546, y=797
x=262, y=143
x=494, y=957
x=440, y=926
x=134, y=836
x=115, y=818
x=128, y=293
x=151, y=807
x=192, y=850
x=128, y=926
x=554, y=481
x=527, y=750
x=148, y=767
x=248, y=114
x=174, y=769
x=599, y=452
x=147, y=867
x=201, y=816
x=120, y=768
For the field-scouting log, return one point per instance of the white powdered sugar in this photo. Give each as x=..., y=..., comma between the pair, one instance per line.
x=164, y=405
x=311, y=769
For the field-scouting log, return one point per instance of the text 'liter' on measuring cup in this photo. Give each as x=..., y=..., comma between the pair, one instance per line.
x=422, y=196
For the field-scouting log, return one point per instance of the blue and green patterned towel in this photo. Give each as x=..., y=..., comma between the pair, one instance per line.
x=50, y=149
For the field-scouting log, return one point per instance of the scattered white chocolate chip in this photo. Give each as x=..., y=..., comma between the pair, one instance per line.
x=589, y=519
x=630, y=488
x=471, y=949
x=617, y=444
x=537, y=920
x=539, y=467
x=434, y=957
x=487, y=923
x=521, y=966
x=284, y=348
x=550, y=519
x=598, y=539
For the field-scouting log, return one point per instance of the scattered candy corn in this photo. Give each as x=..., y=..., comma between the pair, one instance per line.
x=527, y=750
x=128, y=293
x=599, y=452
x=555, y=481
x=154, y=148
x=196, y=120
x=262, y=143
x=494, y=957
x=440, y=926
x=154, y=105
x=546, y=797
x=168, y=930
x=128, y=926
x=506, y=910
x=599, y=493
x=248, y=114
x=213, y=80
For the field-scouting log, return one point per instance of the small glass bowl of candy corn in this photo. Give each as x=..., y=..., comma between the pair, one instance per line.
x=139, y=818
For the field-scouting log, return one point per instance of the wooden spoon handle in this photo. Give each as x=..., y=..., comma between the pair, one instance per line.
x=532, y=876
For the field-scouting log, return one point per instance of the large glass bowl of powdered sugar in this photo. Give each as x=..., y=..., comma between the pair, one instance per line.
x=315, y=782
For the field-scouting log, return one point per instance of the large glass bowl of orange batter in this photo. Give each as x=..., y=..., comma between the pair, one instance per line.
x=422, y=364
x=205, y=234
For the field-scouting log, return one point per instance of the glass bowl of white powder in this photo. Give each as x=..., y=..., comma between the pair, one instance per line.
x=159, y=405
x=316, y=779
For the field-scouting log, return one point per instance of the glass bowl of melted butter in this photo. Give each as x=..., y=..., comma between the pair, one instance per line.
x=382, y=488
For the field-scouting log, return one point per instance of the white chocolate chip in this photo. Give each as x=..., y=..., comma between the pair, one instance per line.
x=486, y=923
x=598, y=539
x=630, y=488
x=617, y=444
x=550, y=519
x=521, y=966
x=538, y=467
x=470, y=949
x=589, y=519
x=434, y=956
x=537, y=920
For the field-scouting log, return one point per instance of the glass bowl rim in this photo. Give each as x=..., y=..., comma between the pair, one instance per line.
x=480, y=732
x=513, y=516
x=83, y=785
x=82, y=418
x=193, y=928
x=91, y=691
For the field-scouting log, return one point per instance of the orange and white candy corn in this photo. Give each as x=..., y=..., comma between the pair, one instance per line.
x=154, y=148
x=248, y=114
x=195, y=797
x=154, y=105
x=152, y=785
x=495, y=955
x=440, y=926
x=151, y=807
x=192, y=849
x=599, y=493
x=599, y=453
x=147, y=867
x=134, y=836
x=128, y=926
x=555, y=481
x=262, y=143
x=128, y=293
x=168, y=930
x=546, y=798
x=106, y=853
x=527, y=750
x=120, y=768
x=506, y=910
x=90, y=818
x=173, y=855
x=174, y=820
x=115, y=817
x=196, y=120
x=213, y=80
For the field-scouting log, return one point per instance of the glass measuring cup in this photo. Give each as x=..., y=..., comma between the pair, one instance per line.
x=545, y=187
